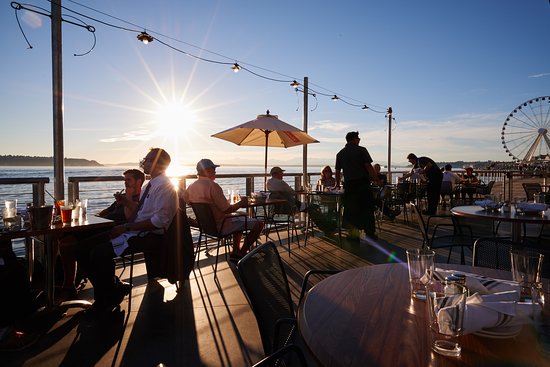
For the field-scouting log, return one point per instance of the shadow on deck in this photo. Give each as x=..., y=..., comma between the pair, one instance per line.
x=207, y=323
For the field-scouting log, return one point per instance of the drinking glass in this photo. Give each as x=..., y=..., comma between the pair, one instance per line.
x=420, y=263
x=526, y=270
x=446, y=317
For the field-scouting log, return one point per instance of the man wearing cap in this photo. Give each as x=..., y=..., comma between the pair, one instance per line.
x=279, y=187
x=205, y=190
x=356, y=164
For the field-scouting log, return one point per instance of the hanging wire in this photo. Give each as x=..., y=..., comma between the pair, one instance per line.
x=246, y=67
x=90, y=29
x=16, y=7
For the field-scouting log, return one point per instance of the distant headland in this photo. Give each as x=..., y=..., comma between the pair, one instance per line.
x=23, y=160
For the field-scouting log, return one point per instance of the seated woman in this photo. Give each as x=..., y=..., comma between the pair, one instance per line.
x=469, y=184
x=326, y=179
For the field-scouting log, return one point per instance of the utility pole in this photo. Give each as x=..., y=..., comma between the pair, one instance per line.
x=57, y=94
x=389, y=144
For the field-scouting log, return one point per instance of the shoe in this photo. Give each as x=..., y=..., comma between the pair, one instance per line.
x=368, y=237
x=65, y=294
x=121, y=290
x=15, y=341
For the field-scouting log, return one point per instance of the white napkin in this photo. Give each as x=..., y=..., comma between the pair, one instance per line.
x=496, y=310
x=487, y=203
x=531, y=207
x=480, y=284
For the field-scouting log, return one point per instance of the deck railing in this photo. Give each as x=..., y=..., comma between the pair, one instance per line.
x=507, y=183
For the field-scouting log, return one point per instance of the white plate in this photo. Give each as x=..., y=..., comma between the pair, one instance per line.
x=502, y=332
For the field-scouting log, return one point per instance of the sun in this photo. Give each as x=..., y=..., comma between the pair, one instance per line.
x=171, y=117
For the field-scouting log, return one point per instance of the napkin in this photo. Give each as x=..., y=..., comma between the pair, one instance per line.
x=480, y=284
x=531, y=207
x=487, y=203
x=498, y=310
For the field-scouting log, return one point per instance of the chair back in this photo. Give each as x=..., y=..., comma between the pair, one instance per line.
x=205, y=218
x=283, y=208
x=179, y=248
x=446, y=188
x=531, y=189
x=492, y=252
x=265, y=283
x=422, y=225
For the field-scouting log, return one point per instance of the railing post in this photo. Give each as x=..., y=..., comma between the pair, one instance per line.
x=38, y=193
x=249, y=185
x=297, y=183
x=74, y=191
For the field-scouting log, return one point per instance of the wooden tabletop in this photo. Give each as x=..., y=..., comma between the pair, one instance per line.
x=365, y=317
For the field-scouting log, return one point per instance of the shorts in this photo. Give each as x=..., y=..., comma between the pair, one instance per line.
x=238, y=224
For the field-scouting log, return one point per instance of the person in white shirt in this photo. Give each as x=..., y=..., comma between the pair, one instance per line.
x=151, y=217
x=449, y=176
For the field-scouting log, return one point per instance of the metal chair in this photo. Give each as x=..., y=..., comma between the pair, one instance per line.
x=208, y=227
x=531, y=189
x=461, y=235
x=447, y=190
x=282, y=216
x=493, y=252
x=265, y=284
x=481, y=191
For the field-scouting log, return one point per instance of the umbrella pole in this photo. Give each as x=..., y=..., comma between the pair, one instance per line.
x=265, y=160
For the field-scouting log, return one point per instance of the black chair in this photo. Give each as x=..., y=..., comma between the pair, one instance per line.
x=208, y=227
x=167, y=256
x=281, y=216
x=531, y=189
x=456, y=235
x=265, y=284
x=483, y=190
x=493, y=252
x=447, y=190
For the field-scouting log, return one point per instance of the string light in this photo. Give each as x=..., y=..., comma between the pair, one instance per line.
x=145, y=37
x=236, y=67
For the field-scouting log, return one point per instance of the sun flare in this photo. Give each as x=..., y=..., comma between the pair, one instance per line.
x=174, y=117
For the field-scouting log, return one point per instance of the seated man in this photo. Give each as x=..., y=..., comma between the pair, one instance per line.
x=120, y=211
x=282, y=190
x=381, y=193
x=205, y=190
x=150, y=220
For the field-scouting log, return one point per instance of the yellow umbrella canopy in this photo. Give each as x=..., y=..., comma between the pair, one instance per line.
x=268, y=131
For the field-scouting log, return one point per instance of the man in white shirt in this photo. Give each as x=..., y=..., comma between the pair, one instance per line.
x=152, y=216
x=449, y=176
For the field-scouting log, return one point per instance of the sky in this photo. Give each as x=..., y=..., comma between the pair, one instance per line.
x=452, y=71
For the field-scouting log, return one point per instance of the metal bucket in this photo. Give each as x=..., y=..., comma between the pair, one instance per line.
x=40, y=216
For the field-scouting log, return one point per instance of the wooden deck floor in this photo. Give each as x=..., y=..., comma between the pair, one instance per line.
x=206, y=323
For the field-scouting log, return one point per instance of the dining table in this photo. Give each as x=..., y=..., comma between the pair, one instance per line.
x=366, y=317
x=516, y=219
x=328, y=201
x=49, y=235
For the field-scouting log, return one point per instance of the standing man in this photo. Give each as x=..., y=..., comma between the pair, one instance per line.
x=356, y=164
x=151, y=218
x=434, y=175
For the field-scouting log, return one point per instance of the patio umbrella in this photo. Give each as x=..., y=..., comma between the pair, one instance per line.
x=268, y=131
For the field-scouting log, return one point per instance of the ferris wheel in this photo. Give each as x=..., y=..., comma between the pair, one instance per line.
x=525, y=131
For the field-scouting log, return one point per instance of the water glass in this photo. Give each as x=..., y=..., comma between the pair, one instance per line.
x=83, y=208
x=526, y=270
x=421, y=265
x=11, y=206
x=446, y=317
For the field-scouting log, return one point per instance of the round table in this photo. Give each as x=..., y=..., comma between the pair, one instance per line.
x=475, y=211
x=365, y=317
